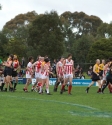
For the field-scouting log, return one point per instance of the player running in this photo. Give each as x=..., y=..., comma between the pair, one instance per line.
x=105, y=72
x=95, y=76
x=108, y=78
x=109, y=85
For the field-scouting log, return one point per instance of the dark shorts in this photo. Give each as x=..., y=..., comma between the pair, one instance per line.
x=4, y=72
x=8, y=72
x=95, y=77
x=101, y=73
x=109, y=79
x=14, y=73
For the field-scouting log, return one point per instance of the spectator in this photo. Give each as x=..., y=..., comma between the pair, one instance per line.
x=54, y=66
x=21, y=73
x=23, y=62
x=89, y=73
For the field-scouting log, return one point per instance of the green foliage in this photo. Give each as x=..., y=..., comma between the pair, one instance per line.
x=15, y=46
x=81, y=48
x=83, y=23
x=54, y=35
x=105, y=30
x=20, y=20
x=100, y=49
x=102, y=29
x=3, y=42
x=46, y=35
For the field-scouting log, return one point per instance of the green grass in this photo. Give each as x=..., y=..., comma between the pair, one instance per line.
x=20, y=108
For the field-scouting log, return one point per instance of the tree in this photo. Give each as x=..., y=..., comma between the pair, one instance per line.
x=81, y=48
x=21, y=20
x=101, y=49
x=82, y=23
x=105, y=30
x=17, y=29
x=15, y=46
x=46, y=35
x=3, y=42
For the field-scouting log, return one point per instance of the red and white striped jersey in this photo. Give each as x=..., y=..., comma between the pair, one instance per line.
x=15, y=64
x=45, y=70
x=68, y=66
x=38, y=66
x=59, y=68
x=30, y=70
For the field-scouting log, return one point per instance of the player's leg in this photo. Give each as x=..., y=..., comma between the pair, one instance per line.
x=47, y=86
x=28, y=81
x=43, y=83
x=70, y=84
x=34, y=85
x=99, y=86
x=16, y=80
x=107, y=83
x=64, y=84
x=8, y=82
x=4, y=81
x=87, y=89
x=57, y=84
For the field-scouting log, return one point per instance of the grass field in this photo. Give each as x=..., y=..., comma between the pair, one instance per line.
x=20, y=108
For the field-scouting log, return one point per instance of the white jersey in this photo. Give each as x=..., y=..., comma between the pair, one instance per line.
x=30, y=71
x=38, y=69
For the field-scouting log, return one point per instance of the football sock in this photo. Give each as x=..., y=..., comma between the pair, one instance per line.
x=5, y=89
x=69, y=89
x=57, y=84
x=2, y=86
x=15, y=84
x=63, y=86
x=12, y=82
x=47, y=90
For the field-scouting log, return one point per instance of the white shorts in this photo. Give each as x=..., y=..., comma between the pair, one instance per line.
x=68, y=76
x=37, y=75
x=44, y=77
x=104, y=78
x=28, y=76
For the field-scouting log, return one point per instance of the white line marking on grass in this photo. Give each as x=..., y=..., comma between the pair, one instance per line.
x=91, y=112
x=73, y=104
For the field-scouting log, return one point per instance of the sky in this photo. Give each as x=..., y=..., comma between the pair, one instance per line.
x=11, y=8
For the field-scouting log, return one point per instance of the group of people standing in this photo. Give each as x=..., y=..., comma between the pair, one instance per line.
x=9, y=73
x=40, y=69
x=64, y=73
x=102, y=74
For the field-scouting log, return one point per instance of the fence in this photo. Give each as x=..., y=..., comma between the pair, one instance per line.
x=75, y=82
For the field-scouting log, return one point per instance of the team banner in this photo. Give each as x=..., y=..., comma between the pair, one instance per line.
x=75, y=82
